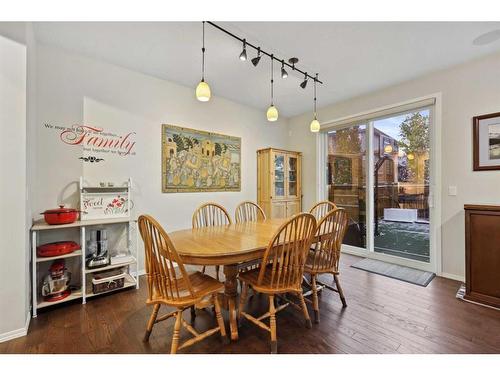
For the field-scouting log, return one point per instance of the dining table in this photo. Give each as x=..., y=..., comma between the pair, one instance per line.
x=230, y=246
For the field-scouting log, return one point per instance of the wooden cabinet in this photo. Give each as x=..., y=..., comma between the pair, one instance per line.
x=279, y=189
x=482, y=254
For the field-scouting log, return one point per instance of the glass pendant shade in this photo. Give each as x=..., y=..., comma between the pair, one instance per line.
x=272, y=113
x=315, y=126
x=203, y=92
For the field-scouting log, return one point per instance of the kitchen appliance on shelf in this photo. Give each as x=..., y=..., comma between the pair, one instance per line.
x=98, y=249
x=59, y=248
x=55, y=285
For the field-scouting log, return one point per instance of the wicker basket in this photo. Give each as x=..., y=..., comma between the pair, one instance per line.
x=108, y=280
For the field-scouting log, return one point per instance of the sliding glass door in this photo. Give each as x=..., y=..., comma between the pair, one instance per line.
x=380, y=172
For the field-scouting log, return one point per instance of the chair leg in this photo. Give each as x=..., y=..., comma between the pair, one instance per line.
x=272, y=323
x=243, y=298
x=193, y=314
x=315, y=298
x=177, y=328
x=151, y=322
x=203, y=269
x=339, y=288
x=220, y=321
x=217, y=268
x=304, y=310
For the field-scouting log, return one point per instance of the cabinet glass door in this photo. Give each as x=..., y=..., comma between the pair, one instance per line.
x=292, y=176
x=279, y=175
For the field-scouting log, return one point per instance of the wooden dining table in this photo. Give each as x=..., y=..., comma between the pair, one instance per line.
x=229, y=246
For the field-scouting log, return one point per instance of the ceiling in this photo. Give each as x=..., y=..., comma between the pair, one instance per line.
x=352, y=58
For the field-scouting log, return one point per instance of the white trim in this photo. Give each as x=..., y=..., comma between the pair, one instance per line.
x=387, y=110
x=17, y=332
x=451, y=276
x=352, y=250
x=321, y=151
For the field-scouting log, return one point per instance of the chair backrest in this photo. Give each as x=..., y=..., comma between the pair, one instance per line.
x=283, y=262
x=329, y=235
x=249, y=211
x=320, y=209
x=210, y=214
x=164, y=267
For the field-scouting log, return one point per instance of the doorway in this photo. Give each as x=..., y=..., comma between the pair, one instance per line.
x=380, y=170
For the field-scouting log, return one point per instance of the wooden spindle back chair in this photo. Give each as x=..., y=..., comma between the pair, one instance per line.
x=169, y=284
x=249, y=211
x=320, y=209
x=208, y=215
x=325, y=254
x=281, y=271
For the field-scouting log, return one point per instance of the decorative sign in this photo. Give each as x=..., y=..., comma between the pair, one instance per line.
x=105, y=205
x=194, y=161
x=96, y=140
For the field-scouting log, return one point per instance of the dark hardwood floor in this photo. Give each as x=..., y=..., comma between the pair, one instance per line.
x=383, y=316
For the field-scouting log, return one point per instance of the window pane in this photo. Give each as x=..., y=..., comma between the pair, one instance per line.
x=401, y=172
x=347, y=179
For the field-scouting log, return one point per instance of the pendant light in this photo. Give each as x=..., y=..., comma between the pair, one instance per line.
x=203, y=90
x=272, y=111
x=315, y=126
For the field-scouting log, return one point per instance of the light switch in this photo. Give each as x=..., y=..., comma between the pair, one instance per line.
x=452, y=190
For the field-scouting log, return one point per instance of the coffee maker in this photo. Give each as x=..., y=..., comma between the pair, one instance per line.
x=98, y=249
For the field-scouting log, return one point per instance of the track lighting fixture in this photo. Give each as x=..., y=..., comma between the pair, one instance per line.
x=272, y=111
x=315, y=126
x=243, y=54
x=284, y=73
x=203, y=89
x=255, y=60
x=304, y=82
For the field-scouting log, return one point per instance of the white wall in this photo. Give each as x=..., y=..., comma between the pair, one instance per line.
x=467, y=90
x=13, y=230
x=73, y=89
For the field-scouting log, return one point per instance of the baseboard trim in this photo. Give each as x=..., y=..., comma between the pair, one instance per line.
x=452, y=276
x=138, y=273
x=7, y=336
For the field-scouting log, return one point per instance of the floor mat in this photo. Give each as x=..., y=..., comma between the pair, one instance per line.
x=394, y=271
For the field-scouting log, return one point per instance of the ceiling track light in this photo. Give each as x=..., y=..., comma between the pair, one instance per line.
x=255, y=60
x=272, y=111
x=203, y=92
x=284, y=73
x=315, y=126
x=304, y=82
x=243, y=54
x=291, y=62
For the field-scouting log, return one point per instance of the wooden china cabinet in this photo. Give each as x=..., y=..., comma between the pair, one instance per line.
x=279, y=187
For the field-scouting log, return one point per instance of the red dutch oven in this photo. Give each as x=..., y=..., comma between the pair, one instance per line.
x=60, y=215
x=57, y=248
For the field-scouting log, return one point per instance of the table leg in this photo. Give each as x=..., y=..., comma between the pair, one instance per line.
x=230, y=293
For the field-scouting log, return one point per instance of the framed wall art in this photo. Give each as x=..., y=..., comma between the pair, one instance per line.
x=198, y=161
x=486, y=142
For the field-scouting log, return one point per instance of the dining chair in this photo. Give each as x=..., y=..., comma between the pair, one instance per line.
x=281, y=272
x=320, y=209
x=325, y=255
x=208, y=215
x=249, y=211
x=169, y=284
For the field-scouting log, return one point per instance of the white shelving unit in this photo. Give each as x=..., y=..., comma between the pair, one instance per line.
x=83, y=226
